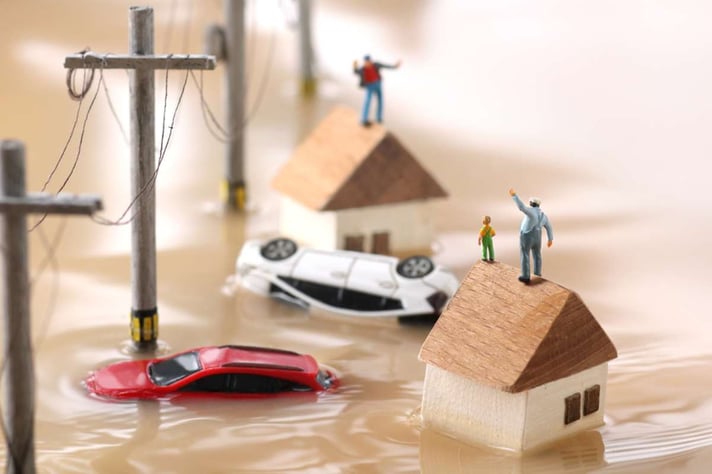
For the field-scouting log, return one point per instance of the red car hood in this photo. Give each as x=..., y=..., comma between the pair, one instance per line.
x=123, y=379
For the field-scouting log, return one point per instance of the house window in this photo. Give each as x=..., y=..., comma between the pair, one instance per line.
x=591, y=399
x=380, y=243
x=573, y=408
x=354, y=242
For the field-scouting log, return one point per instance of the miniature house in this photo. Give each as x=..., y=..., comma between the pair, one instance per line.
x=514, y=366
x=356, y=188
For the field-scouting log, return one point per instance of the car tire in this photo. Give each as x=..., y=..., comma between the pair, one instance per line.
x=415, y=267
x=278, y=249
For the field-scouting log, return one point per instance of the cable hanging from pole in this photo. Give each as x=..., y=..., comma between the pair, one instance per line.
x=161, y=155
x=80, y=96
x=86, y=86
x=212, y=123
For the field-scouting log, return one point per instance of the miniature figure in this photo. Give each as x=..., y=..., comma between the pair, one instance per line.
x=241, y=371
x=513, y=366
x=371, y=80
x=485, y=239
x=530, y=234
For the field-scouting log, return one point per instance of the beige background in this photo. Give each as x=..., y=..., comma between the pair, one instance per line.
x=599, y=108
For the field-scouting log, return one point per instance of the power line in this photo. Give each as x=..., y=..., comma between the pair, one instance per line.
x=80, y=97
x=111, y=107
x=212, y=123
x=161, y=155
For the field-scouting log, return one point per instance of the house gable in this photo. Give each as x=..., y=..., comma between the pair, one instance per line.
x=388, y=175
x=344, y=165
x=513, y=337
x=575, y=342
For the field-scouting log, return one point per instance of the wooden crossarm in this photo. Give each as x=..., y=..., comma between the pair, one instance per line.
x=37, y=203
x=91, y=60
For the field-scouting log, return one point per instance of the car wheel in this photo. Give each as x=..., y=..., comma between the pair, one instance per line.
x=415, y=267
x=278, y=249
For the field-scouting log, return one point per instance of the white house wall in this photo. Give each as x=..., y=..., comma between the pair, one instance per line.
x=407, y=223
x=477, y=414
x=546, y=407
x=471, y=412
x=314, y=229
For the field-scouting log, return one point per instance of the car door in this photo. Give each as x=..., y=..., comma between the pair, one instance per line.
x=322, y=275
x=372, y=276
x=370, y=285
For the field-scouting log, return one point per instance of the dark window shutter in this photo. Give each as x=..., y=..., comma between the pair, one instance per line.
x=354, y=242
x=591, y=399
x=573, y=408
x=380, y=243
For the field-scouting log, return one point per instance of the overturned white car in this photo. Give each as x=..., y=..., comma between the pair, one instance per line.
x=350, y=283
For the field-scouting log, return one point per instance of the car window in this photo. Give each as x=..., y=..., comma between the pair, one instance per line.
x=344, y=298
x=242, y=383
x=360, y=301
x=326, y=294
x=208, y=383
x=173, y=369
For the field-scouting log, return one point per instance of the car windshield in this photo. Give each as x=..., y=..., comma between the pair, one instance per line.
x=171, y=370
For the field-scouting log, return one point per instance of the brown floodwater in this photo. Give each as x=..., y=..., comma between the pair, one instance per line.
x=599, y=108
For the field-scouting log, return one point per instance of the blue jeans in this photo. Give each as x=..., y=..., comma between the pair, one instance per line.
x=530, y=242
x=373, y=88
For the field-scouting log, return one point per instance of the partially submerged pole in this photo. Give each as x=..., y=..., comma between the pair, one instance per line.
x=234, y=185
x=141, y=63
x=306, y=49
x=20, y=375
x=144, y=308
x=15, y=204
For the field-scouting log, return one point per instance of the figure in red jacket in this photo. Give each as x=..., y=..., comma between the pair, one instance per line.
x=370, y=74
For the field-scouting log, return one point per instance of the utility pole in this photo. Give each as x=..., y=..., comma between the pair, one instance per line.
x=142, y=63
x=306, y=49
x=227, y=43
x=235, y=196
x=19, y=403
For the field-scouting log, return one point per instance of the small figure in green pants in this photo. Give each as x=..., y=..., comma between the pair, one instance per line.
x=485, y=239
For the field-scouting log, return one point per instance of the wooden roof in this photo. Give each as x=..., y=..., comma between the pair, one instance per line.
x=514, y=337
x=344, y=165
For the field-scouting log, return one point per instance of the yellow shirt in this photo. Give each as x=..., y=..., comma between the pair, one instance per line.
x=487, y=230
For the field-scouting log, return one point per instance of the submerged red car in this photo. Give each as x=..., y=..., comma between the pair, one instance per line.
x=234, y=370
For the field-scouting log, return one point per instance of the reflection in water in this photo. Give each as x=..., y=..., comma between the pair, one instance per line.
x=441, y=455
x=119, y=459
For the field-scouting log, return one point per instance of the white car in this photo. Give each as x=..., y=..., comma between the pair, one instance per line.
x=345, y=282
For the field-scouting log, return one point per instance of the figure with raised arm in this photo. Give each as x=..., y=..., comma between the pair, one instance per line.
x=530, y=234
x=370, y=79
